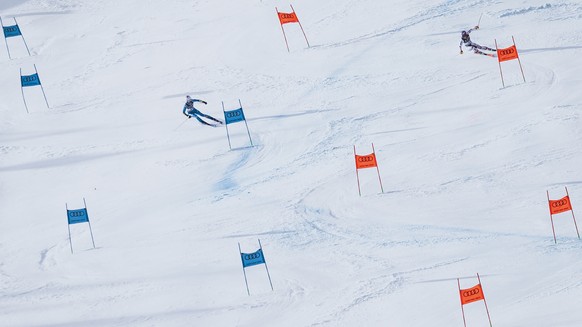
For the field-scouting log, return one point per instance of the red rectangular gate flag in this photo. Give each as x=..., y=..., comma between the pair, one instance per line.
x=561, y=205
x=286, y=18
x=366, y=161
x=472, y=294
x=507, y=53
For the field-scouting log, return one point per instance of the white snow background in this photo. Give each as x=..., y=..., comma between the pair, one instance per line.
x=465, y=164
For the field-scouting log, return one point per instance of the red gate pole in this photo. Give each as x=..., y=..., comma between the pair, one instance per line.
x=572, y=209
x=518, y=60
x=298, y=21
x=551, y=218
x=500, y=71
x=377, y=169
x=357, y=175
x=282, y=29
x=484, y=300
x=462, y=310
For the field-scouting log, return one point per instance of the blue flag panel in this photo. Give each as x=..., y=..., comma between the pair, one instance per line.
x=78, y=216
x=30, y=80
x=234, y=116
x=252, y=259
x=11, y=31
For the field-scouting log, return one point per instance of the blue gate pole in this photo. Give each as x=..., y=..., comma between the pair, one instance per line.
x=227, y=134
x=5, y=41
x=22, y=90
x=89, y=221
x=244, y=272
x=247, y=125
x=69, y=227
x=267, y=268
x=26, y=45
x=42, y=88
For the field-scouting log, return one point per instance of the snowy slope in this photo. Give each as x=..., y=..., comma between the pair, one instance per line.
x=465, y=164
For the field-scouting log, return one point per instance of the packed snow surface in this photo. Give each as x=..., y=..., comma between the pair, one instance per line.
x=465, y=163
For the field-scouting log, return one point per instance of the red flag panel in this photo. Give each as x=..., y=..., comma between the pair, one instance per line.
x=561, y=205
x=472, y=294
x=286, y=18
x=507, y=54
x=366, y=161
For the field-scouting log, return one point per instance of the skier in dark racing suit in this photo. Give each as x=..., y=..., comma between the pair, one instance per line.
x=466, y=40
x=190, y=111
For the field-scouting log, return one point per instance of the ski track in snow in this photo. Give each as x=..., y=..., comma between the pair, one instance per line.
x=464, y=164
x=438, y=11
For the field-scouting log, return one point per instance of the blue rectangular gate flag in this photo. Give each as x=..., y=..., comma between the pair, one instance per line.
x=234, y=116
x=30, y=80
x=252, y=259
x=11, y=31
x=77, y=216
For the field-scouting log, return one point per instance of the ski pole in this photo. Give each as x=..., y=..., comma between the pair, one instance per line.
x=182, y=123
x=479, y=23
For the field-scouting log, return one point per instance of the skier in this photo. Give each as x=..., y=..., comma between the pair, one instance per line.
x=190, y=111
x=466, y=39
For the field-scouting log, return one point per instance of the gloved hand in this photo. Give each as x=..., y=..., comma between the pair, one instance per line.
x=189, y=117
x=204, y=102
x=476, y=27
x=461, y=51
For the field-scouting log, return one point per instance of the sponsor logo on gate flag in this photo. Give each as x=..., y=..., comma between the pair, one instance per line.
x=77, y=216
x=472, y=294
x=561, y=205
x=29, y=80
x=234, y=116
x=285, y=18
x=252, y=259
x=507, y=53
x=11, y=31
x=367, y=161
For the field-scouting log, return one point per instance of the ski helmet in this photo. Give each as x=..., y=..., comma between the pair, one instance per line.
x=463, y=33
x=188, y=97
